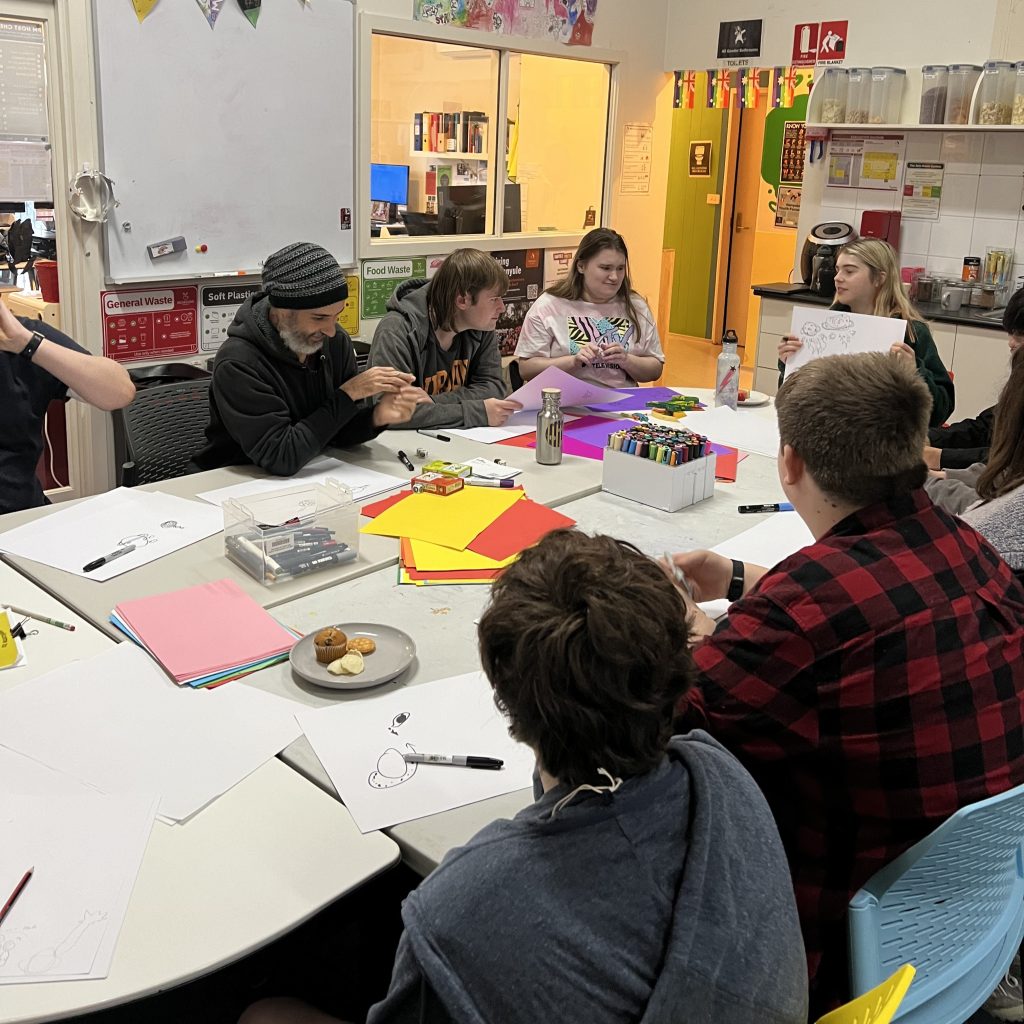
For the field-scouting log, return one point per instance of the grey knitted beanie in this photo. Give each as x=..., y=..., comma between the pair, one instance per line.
x=303, y=275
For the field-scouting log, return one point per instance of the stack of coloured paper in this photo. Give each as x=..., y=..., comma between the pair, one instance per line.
x=205, y=635
x=466, y=537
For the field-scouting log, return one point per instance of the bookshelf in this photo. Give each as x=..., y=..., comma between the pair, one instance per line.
x=449, y=155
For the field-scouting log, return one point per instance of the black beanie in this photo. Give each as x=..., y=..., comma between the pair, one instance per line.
x=303, y=275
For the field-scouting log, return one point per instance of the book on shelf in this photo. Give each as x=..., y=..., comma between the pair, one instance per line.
x=462, y=132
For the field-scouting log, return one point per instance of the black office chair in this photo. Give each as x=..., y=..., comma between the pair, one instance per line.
x=161, y=430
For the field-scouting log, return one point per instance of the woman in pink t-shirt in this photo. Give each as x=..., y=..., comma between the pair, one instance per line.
x=592, y=324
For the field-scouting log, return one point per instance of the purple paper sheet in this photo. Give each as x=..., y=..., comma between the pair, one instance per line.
x=595, y=430
x=644, y=395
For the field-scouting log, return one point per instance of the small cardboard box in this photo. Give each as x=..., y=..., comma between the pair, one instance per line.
x=669, y=488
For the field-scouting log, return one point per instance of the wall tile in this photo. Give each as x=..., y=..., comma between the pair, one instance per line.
x=992, y=233
x=1000, y=196
x=951, y=236
x=875, y=199
x=959, y=195
x=925, y=146
x=945, y=266
x=847, y=214
x=961, y=152
x=915, y=235
x=1004, y=153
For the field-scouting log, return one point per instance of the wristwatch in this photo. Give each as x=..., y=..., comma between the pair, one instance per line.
x=739, y=575
x=33, y=343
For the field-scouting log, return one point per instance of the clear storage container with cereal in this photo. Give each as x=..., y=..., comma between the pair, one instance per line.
x=960, y=91
x=934, y=87
x=886, y=95
x=1017, y=116
x=858, y=95
x=995, y=94
x=831, y=90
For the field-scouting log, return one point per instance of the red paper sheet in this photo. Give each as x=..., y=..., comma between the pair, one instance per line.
x=374, y=509
x=518, y=528
x=726, y=463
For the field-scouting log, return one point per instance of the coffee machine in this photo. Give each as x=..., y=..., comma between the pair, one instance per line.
x=818, y=258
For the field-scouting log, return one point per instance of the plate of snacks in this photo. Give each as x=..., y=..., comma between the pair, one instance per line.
x=752, y=398
x=352, y=655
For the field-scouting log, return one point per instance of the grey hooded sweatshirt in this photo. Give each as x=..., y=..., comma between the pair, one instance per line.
x=669, y=900
x=457, y=381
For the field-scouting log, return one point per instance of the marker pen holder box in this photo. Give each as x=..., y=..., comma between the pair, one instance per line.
x=281, y=535
x=669, y=488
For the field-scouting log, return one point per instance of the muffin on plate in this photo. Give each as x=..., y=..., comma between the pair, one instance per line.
x=329, y=644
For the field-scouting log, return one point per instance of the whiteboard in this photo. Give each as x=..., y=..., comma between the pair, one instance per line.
x=238, y=138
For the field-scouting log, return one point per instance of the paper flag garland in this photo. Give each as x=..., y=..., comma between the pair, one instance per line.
x=211, y=8
x=251, y=9
x=143, y=7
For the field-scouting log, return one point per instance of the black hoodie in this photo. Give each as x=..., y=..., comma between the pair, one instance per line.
x=268, y=409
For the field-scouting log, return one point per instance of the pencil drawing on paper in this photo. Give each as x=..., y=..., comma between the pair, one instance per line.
x=392, y=769
x=397, y=721
x=140, y=540
x=831, y=337
x=44, y=961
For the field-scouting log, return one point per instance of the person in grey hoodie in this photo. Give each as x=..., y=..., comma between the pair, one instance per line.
x=647, y=884
x=442, y=332
x=285, y=383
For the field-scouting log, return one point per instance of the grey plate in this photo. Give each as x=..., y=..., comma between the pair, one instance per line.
x=394, y=654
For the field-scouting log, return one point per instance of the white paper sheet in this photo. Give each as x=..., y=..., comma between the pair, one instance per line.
x=86, y=852
x=361, y=745
x=750, y=430
x=574, y=390
x=516, y=425
x=155, y=523
x=117, y=723
x=20, y=774
x=777, y=537
x=364, y=483
x=828, y=332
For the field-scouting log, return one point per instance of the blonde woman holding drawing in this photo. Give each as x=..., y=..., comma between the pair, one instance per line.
x=868, y=282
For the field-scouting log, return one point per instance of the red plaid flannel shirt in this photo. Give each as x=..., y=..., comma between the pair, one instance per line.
x=872, y=684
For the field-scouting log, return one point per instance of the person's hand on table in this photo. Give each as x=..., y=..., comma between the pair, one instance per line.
x=708, y=574
x=903, y=351
x=499, y=410
x=932, y=457
x=790, y=343
x=397, y=406
x=14, y=336
x=375, y=381
x=701, y=624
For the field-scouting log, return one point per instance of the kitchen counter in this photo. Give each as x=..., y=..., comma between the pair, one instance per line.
x=971, y=316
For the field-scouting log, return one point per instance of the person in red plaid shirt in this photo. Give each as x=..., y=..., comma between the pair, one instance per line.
x=873, y=682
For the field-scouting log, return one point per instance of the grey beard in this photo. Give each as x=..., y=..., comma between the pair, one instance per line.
x=296, y=343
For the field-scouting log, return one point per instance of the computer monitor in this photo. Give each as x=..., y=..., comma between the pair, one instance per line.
x=389, y=183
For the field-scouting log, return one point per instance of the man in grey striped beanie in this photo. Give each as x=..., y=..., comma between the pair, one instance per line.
x=285, y=382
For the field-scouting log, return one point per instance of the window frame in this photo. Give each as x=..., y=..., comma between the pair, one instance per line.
x=403, y=247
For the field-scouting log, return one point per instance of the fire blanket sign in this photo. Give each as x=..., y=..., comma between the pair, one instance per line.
x=147, y=323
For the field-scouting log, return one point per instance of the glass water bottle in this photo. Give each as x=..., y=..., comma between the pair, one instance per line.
x=549, y=427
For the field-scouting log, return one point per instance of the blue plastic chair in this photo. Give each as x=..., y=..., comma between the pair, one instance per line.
x=953, y=906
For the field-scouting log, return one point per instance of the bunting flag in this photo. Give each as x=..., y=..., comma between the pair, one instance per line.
x=143, y=7
x=784, y=88
x=677, y=91
x=211, y=8
x=251, y=9
x=688, y=89
x=710, y=78
x=753, y=86
x=724, y=89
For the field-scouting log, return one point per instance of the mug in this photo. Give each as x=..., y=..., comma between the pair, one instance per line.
x=952, y=297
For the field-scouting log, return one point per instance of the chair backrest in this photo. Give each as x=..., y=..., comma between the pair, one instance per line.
x=953, y=906
x=878, y=1006
x=162, y=429
x=165, y=373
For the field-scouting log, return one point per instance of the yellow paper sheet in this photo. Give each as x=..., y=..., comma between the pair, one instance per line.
x=9, y=653
x=451, y=521
x=403, y=578
x=429, y=557
x=143, y=7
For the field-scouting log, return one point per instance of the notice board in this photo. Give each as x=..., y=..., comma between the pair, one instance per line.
x=207, y=136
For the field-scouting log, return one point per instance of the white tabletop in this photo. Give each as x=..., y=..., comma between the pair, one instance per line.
x=259, y=861
x=206, y=561
x=441, y=621
x=51, y=646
